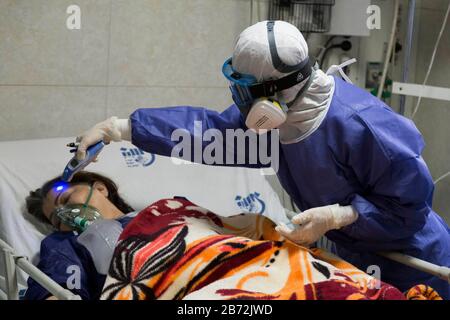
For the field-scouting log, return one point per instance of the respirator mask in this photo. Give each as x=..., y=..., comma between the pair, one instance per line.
x=257, y=100
x=77, y=216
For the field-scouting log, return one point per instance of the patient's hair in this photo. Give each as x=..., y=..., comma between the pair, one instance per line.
x=35, y=199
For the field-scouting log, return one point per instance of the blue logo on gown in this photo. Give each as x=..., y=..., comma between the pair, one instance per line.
x=251, y=203
x=135, y=157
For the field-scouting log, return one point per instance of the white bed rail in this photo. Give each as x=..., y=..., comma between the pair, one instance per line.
x=441, y=272
x=438, y=271
x=10, y=286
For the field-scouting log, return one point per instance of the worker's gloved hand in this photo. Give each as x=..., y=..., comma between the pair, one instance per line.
x=112, y=129
x=315, y=222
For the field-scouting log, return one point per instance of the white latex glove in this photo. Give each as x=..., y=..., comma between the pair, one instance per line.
x=315, y=222
x=112, y=129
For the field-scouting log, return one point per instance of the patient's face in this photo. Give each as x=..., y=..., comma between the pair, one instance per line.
x=77, y=194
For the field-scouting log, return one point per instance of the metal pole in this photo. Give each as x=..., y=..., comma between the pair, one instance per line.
x=12, y=290
x=3, y=295
x=407, y=56
x=12, y=260
x=4, y=245
x=438, y=271
x=41, y=278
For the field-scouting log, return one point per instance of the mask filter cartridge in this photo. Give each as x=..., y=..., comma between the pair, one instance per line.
x=265, y=114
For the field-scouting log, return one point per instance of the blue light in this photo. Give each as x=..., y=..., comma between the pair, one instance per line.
x=61, y=186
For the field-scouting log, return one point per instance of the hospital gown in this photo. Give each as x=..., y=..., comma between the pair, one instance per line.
x=363, y=154
x=62, y=258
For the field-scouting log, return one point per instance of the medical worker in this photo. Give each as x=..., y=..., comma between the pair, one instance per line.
x=351, y=164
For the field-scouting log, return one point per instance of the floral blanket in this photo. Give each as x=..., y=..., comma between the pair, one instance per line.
x=176, y=250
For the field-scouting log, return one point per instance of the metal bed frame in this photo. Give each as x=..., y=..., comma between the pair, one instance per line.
x=9, y=287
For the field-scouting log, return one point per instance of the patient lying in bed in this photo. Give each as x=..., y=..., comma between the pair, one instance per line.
x=174, y=249
x=62, y=257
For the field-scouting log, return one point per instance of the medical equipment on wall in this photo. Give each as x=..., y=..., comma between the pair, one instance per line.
x=76, y=165
x=306, y=15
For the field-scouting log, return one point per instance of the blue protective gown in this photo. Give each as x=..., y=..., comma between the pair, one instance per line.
x=363, y=154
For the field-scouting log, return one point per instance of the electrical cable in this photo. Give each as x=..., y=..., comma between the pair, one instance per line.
x=431, y=61
x=325, y=53
x=433, y=56
x=445, y=175
x=329, y=41
x=323, y=49
x=344, y=45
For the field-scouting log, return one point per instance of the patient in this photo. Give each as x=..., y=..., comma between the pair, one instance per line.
x=61, y=255
x=174, y=249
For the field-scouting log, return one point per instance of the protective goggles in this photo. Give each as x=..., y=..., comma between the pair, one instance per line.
x=245, y=89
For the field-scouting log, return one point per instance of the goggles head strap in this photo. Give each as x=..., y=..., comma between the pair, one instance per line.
x=276, y=61
x=269, y=87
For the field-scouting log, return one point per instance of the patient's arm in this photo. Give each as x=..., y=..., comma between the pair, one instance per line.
x=68, y=264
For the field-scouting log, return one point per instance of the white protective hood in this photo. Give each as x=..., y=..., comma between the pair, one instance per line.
x=252, y=56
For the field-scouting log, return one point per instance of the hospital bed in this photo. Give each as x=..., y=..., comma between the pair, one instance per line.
x=142, y=179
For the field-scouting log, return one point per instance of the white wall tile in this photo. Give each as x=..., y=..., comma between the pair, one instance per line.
x=172, y=42
x=37, y=48
x=37, y=112
x=124, y=100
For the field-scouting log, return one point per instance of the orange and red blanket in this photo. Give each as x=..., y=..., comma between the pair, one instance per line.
x=176, y=250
